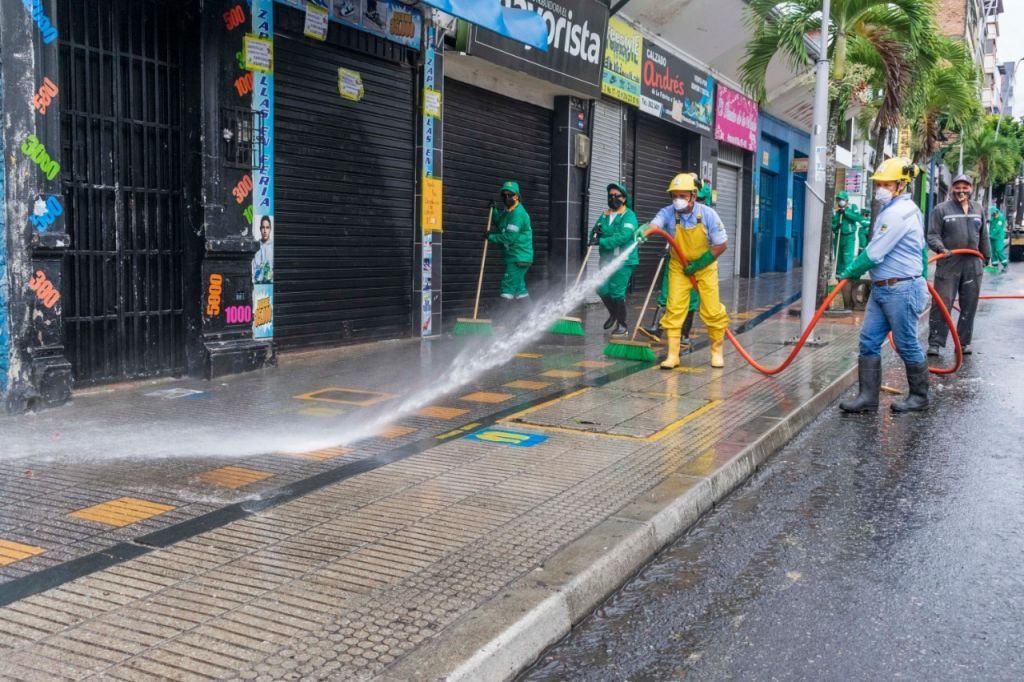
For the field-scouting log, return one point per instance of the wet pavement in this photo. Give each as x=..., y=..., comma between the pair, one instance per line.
x=871, y=547
x=400, y=555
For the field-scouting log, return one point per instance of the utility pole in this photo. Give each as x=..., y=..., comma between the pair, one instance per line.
x=814, y=204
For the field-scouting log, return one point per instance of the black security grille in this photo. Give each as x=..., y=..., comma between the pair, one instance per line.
x=121, y=127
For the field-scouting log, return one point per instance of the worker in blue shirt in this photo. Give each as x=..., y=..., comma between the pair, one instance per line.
x=699, y=233
x=899, y=293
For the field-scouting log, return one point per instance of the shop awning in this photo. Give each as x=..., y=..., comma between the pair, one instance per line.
x=520, y=25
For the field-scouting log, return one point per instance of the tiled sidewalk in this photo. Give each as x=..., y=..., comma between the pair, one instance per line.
x=373, y=575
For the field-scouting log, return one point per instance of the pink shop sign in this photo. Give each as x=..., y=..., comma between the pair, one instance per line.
x=735, y=119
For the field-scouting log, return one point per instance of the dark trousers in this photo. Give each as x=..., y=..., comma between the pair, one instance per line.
x=962, y=281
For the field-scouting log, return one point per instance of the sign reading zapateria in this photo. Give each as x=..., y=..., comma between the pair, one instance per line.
x=576, y=31
x=676, y=91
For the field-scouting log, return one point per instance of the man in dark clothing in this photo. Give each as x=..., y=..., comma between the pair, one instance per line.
x=957, y=223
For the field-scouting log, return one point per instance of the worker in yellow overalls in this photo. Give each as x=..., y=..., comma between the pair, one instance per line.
x=698, y=231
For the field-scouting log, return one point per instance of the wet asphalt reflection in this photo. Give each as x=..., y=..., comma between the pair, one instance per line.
x=871, y=547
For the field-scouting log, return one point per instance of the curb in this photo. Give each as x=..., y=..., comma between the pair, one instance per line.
x=508, y=633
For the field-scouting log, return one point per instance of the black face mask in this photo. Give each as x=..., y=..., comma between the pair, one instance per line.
x=509, y=199
x=615, y=203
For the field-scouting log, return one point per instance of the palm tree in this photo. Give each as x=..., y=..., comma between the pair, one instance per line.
x=877, y=31
x=990, y=157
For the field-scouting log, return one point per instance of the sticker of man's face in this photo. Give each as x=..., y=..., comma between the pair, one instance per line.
x=266, y=227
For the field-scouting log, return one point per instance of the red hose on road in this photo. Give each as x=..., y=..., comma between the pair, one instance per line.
x=770, y=371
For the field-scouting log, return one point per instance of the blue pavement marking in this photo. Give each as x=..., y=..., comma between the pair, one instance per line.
x=505, y=437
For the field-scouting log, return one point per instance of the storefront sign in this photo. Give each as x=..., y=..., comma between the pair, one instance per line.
x=316, y=22
x=903, y=147
x=350, y=84
x=799, y=165
x=854, y=182
x=259, y=54
x=676, y=91
x=576, y=31
x=431, y=103
x=623, y=54
x=389, y=19
x=735, y=118
x=262, y=181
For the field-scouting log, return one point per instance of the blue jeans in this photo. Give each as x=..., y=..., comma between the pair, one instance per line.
x=895, y=308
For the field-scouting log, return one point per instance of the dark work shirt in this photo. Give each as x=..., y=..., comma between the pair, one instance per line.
x=950, y=227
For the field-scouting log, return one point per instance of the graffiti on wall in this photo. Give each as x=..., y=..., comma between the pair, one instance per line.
x=44, y=289
x=36, y=150
x=46, y=28
x=5, y=343
x=45, y=213
x=262, y=181
x=44, y=96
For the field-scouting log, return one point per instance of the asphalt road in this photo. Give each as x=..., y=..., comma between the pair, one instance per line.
x=871, y=547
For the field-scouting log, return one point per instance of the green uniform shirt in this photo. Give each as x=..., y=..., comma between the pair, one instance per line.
x=513, y=232
x=618, y=231
x=997, y=227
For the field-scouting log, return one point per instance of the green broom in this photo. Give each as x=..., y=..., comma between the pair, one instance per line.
x=471, y=326
x=633, y=349
x=572, y=326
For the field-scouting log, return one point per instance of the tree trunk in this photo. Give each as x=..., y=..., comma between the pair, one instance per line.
x=825, y=257
x=878, y=145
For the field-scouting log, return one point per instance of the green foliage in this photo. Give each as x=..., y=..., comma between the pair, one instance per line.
x=992, y=159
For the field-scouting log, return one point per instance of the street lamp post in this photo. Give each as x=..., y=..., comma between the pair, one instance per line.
x=814, y=204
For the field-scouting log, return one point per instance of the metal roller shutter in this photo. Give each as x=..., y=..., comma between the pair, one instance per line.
x=344, y=194
x=605, y=165
x=488, y=139
x=659, y=156
x=728, y=209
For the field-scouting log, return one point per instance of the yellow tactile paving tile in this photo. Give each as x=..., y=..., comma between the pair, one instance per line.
x=396, y=432
x=593, y=364
x=320, y=412
x=11, y=552
x=486, y=397
x=121, y=512
x=529, y=356
x=233, y=477
x=528, y=385
x=562, y=373
x=347, y=396
x=319, y=455
x=438, y=412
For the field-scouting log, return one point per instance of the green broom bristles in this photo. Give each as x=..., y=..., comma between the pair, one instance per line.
x=568, y=326
x=630, y=350
x=469, y=327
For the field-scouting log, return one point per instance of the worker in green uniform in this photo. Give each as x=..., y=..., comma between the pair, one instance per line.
x=997, y=236
x=849, y=231
x=703, y=197
x=616, y=230
x=513, y=232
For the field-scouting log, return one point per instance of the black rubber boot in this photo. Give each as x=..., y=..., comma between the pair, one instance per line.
x=917, y=377
x=869, y=374
x=610, y=305
x=655, y=329
x=621, y=326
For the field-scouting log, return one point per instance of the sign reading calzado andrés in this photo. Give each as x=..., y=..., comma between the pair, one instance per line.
x=576, y=31
x=676, y=91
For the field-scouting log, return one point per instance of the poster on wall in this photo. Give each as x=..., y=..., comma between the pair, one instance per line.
x=735, y=118
x=263, y=311
x=675, y=91
x=622, y=62
x=263, y=182
x=575, y=54
x=389, y=19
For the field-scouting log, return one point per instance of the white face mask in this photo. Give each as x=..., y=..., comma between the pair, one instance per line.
x=883, y=195
x=680, y=204
x=842, y=203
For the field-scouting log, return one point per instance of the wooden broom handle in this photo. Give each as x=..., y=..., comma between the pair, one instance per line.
x=583, y=267
x=483, y=262
x=647, y=301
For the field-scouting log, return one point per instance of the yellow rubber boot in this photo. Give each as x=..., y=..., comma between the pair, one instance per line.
x=718, y=353
x=672, y=356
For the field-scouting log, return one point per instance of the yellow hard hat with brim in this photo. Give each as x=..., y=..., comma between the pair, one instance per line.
x=896, y=169
x=684, y=182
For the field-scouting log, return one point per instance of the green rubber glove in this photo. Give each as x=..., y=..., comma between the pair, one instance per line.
x=706, y=259
x=640, y=237
x=858, y=267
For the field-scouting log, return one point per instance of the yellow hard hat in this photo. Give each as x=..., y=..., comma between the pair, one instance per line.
x=684, y=182
x=896, y=169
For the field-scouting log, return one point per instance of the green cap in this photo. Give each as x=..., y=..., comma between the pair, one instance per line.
x=622, y=188
x=510, y=186
x=842, y=195
x=993, y=209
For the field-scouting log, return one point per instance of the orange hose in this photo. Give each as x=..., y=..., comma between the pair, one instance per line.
x=770, y=371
